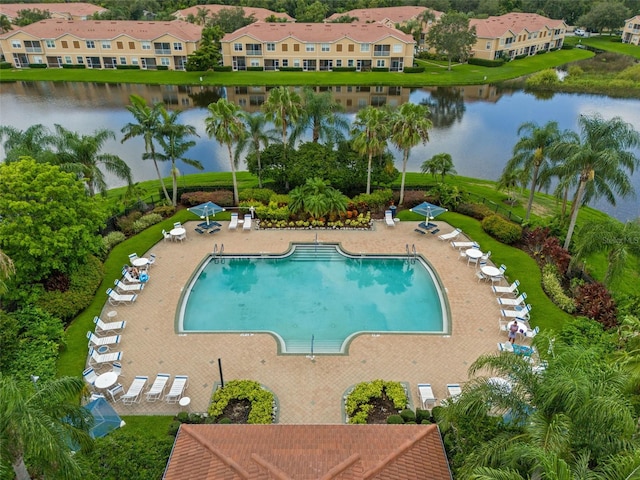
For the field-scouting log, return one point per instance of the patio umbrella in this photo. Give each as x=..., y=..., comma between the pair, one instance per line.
x=429, y=210
x=106, y=418
x=205, y=209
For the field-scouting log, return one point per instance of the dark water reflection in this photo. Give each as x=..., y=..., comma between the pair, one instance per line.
x=477, y=125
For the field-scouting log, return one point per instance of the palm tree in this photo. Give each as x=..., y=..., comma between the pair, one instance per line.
x=225, y=124
x=409, y=126
x=7, y=268
x=257, y=137
x=321, y=113
x=80, y=154
x=602, y=159
x=33, y=142
x=615, y=239
x=531, y=152
x=37, y=424
x=5, y=24
x=371, y=132
x=510, y=180
x=440, y=164
x=147, y=123
x=171, y=137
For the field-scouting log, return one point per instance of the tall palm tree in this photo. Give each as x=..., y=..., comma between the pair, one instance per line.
x=7, y=268
x=531, y=152
x=171, y=136
x=81, y=155
x=409, y=126
x=147, y=123
x=225, y=124
x=510, y=180
x=256, y=138
x=370, y=133
x=321, y=113
x=38, y=423
x=36, y=142
x=602, y=159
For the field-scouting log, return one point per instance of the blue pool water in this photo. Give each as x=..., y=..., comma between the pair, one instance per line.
x=313, y=291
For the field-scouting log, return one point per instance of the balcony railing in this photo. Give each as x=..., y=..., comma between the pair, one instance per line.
x=163, y=51
x=33, y=49
x=384, y=53
x=254, y=53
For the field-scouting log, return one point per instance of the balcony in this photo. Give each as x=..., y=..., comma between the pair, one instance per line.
x=163, y=51
x=254, y=53
x=384, y=53
x=33, y=49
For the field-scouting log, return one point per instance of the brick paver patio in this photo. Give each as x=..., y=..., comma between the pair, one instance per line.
x=308, y=391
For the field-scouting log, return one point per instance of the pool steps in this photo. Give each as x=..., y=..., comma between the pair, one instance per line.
x=319, y=346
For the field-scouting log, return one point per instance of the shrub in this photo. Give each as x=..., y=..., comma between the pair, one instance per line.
x=544, y=79
x=474, y=210
x=111, y=240
x=594, y=301
x=413, y=198
x=125, y=223
x=280, y=199
x=423, y=416
x=379, y=69
x=413, y=70
x=486, y=63
x=262, y=195
x=224, y=198
x=343, y=69
x=575, y=71
x=408, y=415
x=501, y=229
x=552, y=251
x=37, y=65
x=261, y=399
x=290, y=69
x=357, y=405
x=272, y=212
x=224, y=421
x=146, y=221
x=174, y=427
x=5, y=65
x=553, y=288
x=255, y=69
x=74, y=66
x=376, y=201
x=222, y=68
x=165, y=210
x=127, y=67
x=394, y=419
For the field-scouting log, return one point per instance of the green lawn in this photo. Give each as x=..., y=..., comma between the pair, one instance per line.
x=609, y=43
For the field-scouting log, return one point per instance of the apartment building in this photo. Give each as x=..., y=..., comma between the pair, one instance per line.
x=317, y=46
x=260, y=14
x=63, y=11
x=631, y=31
x=102, y=44
x=516, y=34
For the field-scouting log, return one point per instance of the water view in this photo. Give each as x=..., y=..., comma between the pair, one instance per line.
x=477, y=125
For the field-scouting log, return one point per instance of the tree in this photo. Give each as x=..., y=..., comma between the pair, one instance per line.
x=531, y=152
x=602, y=159
x=36, y=142
x=80, y=154
x=5, y=24
x=440, y=164
x=317, y=199
x=7, y=268
x=225, y=124
x=607, y=15
x=256, y=138
x=370, y=134
x=147, y=123
x=314, y=13
x=172, y=138
x=321, y=113
x=231, y=19
x=409, y=126
x=28, y=16
x=618, y=241
x=48, y=221
x=208, y=55
x=510, y=180
x=38, y=422
x=452, y=36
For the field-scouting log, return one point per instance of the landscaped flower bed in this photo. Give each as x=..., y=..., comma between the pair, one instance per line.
x=361, y=221
x=243, y=401
x=374, y=402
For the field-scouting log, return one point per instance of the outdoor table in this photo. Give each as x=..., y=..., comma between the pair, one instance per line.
x=473, y=253
x=176, y=232
x=523, y=328
x=140, y=262
x=106, y=380
x=490, y=271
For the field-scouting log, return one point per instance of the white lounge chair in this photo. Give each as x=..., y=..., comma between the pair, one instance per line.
x=233, y=224
x=532, y=333
x=118, y=299
x=511, y=289
x=97, y=359
x=427, y=398
x=96, y=341
x=450, y=236
x=126, y=275
x=133, y=394
x=247, y=222
x=454, y=390
x=388, y=218
x=523, y=313
x=464, y=246
x=177, y=389
x=108, y=328
x=513, y=301
x=157, y=389
x=127, y=287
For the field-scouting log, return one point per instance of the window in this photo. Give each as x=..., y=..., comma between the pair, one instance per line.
x=271, y=47
x=381, y=50
x=351, y=48
x=123, y=61
x=365, y=47
x=119, y=45
x=237, y=47
x=33, y=46
x=488, y=47
x=80, y=59
x=67, y=60
x=296, y=47
x=134, y=61
x=37, y=59
x=285, y=47
x=16, y=44
x=339, y=47
x=162, y=48
x=177, y=46
x=146, y=45
x=349, y=63
x=165, y=61
x=285, y=62
x=296, y=63
x=50, y=43
x=310, y=47
x=65, y=44
x=380, y=63
x=91, y=44
x=397, y=48
x=132, y=46
x=338, y=63
x=325, y=47
x=254, y=48
x=76, y=44
x=255, y=62
x=106, y=45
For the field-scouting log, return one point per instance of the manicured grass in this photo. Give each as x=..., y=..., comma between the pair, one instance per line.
x=148, y=425
x=607, y=43
x=435, y=74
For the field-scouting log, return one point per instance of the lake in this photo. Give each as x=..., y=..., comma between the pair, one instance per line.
x=476, y=125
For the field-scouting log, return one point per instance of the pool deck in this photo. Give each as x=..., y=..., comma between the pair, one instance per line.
x=309, y=392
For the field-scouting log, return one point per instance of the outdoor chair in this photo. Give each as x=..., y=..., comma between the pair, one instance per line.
x=135, y=389
x=177, y=225
x=115, y=391
x=532, y=333
x=166, y=235
x=152, y=259
x=247, y=222
x=233, y=224
x=122, y=287
x=213, y=231
x=503, y=325
x=388, y=218
x=157, y=389
x=450, y=236
x=454, y=390
x=117, y=368
x=108, y=328
x=126, y=275
x=513, y=288
x=89, y=375
x=421, y=232
x=522, y=313
x=118, y=299
x=513, y=301
x=177, y=389
x=96, y=341
x=434, y=231
x=427, y=398
x=199, y=230
x=132, y=257
x=97, y=359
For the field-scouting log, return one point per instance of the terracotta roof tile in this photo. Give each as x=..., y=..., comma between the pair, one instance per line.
x=78, y=9
x=257, y=12
x=516, y=23
x=308, y=452
x=393, y=14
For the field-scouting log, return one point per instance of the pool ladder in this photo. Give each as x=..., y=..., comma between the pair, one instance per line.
x=217, y=253
x=411, y=253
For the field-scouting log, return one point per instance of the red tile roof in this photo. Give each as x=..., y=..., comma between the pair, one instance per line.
x=516, y=23
x=318, y=32
x=258, y=13
x=308, y=452
x=110, y=29
x=75, y=9
x=394, y=14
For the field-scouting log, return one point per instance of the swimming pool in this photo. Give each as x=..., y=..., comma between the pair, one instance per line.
x=314, y=293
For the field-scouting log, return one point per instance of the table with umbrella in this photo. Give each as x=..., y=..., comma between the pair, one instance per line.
x=206, y=210
x=430, y=211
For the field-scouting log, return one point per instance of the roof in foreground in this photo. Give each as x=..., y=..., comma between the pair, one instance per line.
x=109, y=29
x=79, y=9
x=318, y=32
x=394, y=14
x=257, y=12
x=493, y=27
x=308, y=452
